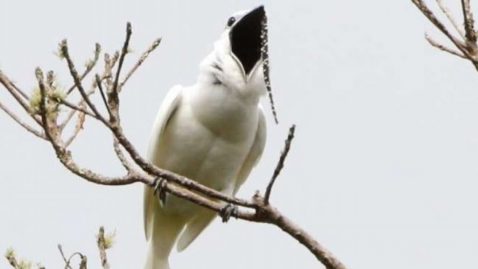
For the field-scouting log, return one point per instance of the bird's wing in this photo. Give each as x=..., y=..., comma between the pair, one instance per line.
x=255, y=153
x=166, y=111
x=202, y=220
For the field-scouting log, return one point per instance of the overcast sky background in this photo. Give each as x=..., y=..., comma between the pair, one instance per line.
x=383, y=170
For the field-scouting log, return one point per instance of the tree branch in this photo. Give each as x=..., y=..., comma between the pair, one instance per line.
x=21, y=122
x=467, y=45
x=17, y=95
x=450, y=18
x=67, y=261
x=140, y=61
x=89, y=66
x=77, y=80
x=140, y=170
x=468, y=21
x=444, y=48
x=438, y=24
x=280, y=164
x=78, y=127
x=102, y=246
x=113, y=94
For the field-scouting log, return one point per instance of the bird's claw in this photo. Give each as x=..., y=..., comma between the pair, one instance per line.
x=227, y=211
x=159, y=190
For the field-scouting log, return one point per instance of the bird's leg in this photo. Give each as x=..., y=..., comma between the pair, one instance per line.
x=159, y=190
x=227, y=211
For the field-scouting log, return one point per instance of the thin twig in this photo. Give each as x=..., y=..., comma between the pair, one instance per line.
x=113, y=93
x=102, y=246
x=77, y=80
x=452, y=20
x=81, y=103
x=22, y=93
x=468, y=21
x=468, y=46
x=140, y=61
x=110, y=63
x=102, y=93
x=124, y=51
x=83, y=260
x=22, y=123
x=67, y=261
x=18, y=96
x=77, y=108
x=78, y=127
x=280, y=164
x=89, y=66
x=444, y=48
x=434, y=20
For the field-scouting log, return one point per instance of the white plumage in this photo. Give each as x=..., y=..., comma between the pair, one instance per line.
x=213, y=132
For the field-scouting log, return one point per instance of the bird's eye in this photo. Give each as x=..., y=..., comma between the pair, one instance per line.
x=231, y=21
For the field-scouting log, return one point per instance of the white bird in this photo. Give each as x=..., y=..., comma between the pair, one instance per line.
x=213, y=132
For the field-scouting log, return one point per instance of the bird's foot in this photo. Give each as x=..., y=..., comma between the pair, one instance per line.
x=159, y=190
x=227, y=211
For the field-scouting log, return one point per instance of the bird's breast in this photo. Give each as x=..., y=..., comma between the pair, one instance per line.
x=208, y=140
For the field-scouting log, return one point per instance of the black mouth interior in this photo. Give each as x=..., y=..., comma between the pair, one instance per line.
x=246, y=38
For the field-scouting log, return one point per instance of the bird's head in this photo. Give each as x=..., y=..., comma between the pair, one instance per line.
x=237, y=60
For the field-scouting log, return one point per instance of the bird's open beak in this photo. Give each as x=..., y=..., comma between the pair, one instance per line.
x=246, y=39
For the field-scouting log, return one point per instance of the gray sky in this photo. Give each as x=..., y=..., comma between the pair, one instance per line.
x=382, y=172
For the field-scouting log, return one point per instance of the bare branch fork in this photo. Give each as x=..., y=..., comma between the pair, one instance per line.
x=104, y=242
x=51, y=110
x=83, y=259
x=466, y=44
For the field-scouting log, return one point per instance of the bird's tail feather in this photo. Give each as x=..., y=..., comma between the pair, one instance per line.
x=195, y=227
x=165, y=230
x=154, y=261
